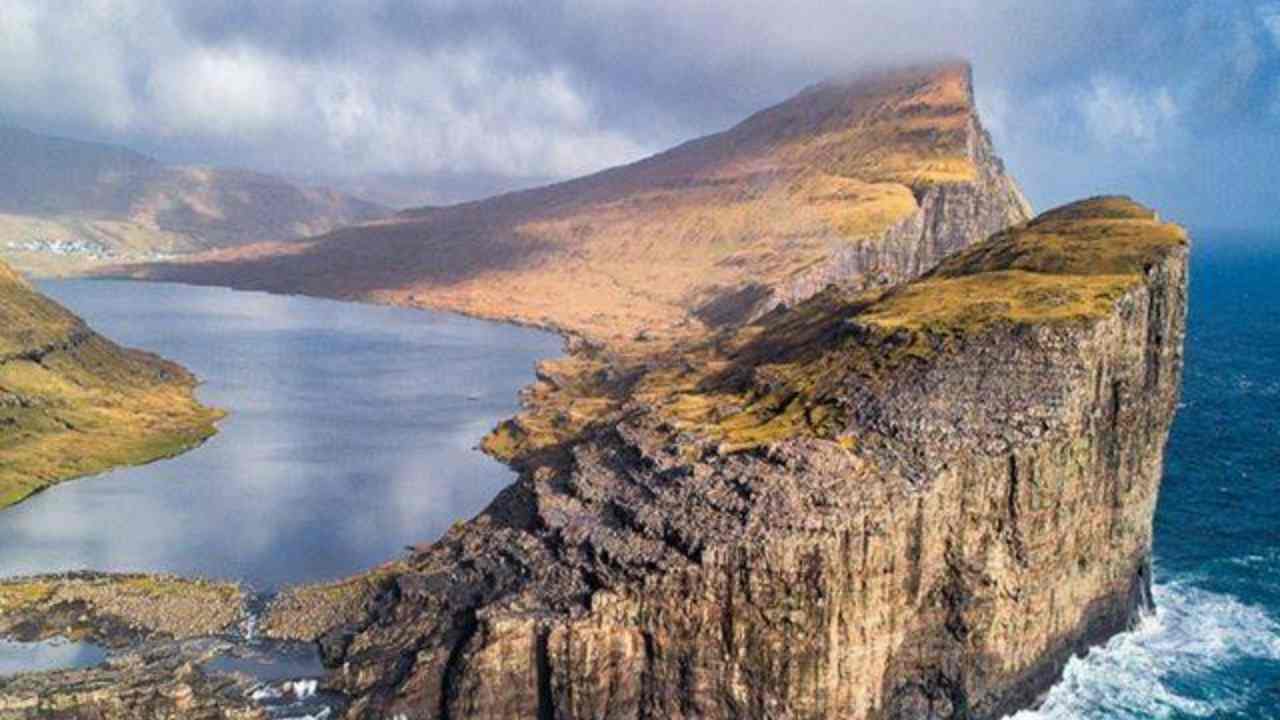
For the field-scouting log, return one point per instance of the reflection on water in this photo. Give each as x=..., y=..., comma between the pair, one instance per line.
x=54, y=655
x=351, y=435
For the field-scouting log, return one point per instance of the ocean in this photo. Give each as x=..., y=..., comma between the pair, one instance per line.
x=1212, y=647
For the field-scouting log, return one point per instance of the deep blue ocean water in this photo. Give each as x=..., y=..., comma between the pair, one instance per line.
x=1212, y=649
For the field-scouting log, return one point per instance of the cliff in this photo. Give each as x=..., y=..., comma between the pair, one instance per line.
x=831, y=440
x=68, y=206
x=73, y=403
x=868, y=180
x=904, y=503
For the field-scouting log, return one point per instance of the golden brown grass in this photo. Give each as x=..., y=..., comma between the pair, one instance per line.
x=1071, y=263
x=637, y=251
x=776, y=378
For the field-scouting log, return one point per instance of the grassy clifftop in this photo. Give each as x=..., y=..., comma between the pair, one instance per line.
x=73, y=403
x=1069, y=263
x=776, y=378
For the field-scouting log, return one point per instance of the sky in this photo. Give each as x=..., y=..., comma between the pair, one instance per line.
x=1175, y=102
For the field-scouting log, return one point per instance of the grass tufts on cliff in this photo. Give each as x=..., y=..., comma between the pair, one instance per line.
x=777, y=378
x=73, y=403
x=1071, y=263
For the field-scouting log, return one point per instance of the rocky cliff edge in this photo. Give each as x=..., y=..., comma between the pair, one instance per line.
x=909, y=503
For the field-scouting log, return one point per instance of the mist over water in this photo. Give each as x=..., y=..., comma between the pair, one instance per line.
x=1212, y=648
x=351, y=434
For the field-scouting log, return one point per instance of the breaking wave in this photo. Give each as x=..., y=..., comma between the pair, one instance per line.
x=1172, y=666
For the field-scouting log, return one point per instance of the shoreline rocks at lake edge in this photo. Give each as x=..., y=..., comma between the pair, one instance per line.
x=163, y=681
x=117, y=611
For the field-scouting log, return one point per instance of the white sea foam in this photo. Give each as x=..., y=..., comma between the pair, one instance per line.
x=249, y=628
x=1192, y=635
x=302, y=689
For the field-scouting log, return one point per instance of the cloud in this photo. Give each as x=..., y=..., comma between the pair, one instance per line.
x=1118, y=115
x=374, y=105
x=1269, y=16
x=558, y=88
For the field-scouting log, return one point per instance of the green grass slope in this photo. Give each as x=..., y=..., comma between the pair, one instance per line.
x=73, y=403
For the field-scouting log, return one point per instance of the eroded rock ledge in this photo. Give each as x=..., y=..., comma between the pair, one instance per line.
x=159, y=681
x=117, y=610
x=901, y=504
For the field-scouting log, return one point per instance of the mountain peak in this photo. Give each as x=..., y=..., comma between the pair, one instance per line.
x=865, y=180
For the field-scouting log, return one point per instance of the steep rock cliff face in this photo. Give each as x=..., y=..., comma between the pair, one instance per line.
x=902, y=504
x=948, y=217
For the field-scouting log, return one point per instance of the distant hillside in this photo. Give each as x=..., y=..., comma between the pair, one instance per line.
x=74, y=403
x=865, y=180
x=66, y=206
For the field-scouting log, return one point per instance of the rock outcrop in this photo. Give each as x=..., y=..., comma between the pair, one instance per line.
x=163, y=682
x=117, y=610
x=899, y=504
x=948, y=217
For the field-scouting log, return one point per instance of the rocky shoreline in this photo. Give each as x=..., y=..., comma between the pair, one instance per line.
x=117, y=611
x=166, y=680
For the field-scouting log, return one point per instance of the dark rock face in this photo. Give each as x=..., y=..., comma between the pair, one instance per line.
x=164, y=682
x=989, y=517
x=950, y=217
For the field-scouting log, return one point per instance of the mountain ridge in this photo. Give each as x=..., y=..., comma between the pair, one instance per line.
x=67, y=206
x=842, y=430
x=841, y=182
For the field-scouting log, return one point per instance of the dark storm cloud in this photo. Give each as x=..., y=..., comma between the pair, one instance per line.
x=1151, y=98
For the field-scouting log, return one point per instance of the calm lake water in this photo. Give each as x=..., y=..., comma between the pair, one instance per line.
x=351, y=434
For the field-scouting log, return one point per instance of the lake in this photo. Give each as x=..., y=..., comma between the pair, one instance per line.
x=351, y=434
x=352, y=430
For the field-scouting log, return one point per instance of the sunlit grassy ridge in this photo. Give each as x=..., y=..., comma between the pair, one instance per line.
x=775, y=379
x=72, y=403
x=679, y=244
x=1071, y=263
